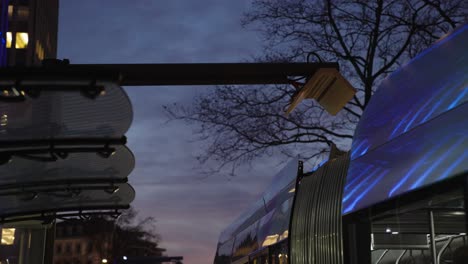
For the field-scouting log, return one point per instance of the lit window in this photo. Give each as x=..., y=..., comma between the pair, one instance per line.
x=8, y=236
x=10, y=10
x=8, y=40
x=22, y=40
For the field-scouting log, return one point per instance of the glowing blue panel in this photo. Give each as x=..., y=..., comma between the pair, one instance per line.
x=432, y=83
x=414, y=128
x=428, y=153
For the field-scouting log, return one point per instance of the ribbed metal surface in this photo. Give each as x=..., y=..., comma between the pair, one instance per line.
x=67, y=115
x=61, y=202
x=316, y=224
x=78, y=166
x=61, y=148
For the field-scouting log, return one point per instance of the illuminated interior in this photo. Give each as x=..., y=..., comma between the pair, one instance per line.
x=8, y=236
x=22, y=40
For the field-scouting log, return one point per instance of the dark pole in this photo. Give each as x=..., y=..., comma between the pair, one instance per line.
x=170, y=74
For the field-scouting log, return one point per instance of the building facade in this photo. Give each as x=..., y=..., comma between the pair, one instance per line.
x=99, y=241
x=31, y=28
x=74, y=245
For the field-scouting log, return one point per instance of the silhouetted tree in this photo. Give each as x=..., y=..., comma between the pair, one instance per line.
x=124, y=236
x=369, y=39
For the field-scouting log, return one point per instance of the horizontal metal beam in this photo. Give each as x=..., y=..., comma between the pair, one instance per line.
x=56, y=142
x=171, y=74
x=68, y=182
x=4, y=217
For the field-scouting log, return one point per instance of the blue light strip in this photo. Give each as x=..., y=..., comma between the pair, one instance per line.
x=413, y=169
x=370, y=176
x=439, y=160
x=458, y=99
x=364, y=172
x=433, y=82
x=430, y=152
x=455, y=164
x=370, y=187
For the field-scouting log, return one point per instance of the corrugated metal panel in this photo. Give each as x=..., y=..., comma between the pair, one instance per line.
x=316, y=224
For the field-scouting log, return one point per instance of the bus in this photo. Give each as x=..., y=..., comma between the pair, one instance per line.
x=398, y=196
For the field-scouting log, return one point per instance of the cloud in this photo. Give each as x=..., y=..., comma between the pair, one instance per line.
x=191, y=210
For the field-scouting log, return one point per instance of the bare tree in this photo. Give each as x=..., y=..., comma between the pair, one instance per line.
x=369, y=39
x=126, y=235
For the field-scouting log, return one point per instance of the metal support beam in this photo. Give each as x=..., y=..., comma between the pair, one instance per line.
x=170, y=74
x=465, y=202
x=433, y=239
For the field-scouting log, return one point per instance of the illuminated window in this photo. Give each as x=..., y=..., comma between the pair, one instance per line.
x=8, y=236
x=9, y=40
x=10, y=10
x=22, y=40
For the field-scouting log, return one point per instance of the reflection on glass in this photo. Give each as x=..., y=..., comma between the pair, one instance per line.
x=432, y=230
x=270, y=240
x=284, y=235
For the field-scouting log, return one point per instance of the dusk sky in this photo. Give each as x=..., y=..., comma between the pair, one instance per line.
x=191, y=209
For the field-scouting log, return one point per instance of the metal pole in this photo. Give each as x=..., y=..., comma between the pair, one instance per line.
x=381, y=256
x=433, y=245
x=465, y=183
x=442, y=250
x=401, y=256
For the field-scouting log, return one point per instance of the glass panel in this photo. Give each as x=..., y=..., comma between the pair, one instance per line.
x=284, y=179
x=432, y=83
x=223, y=255
x=22, y=40
x=8, y=236
x=67, y=115
x=281, y=189
x=9, y=39
x=245, y=242
x=27, y=247
x=279, y=253
x=82, y=166
x=61, y=200
x=274, y=226
x=429, y=153
x=404, y=235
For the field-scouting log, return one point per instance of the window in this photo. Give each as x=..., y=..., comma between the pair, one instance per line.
x=22, y=13
x=69, y=230
x=59, y=231
x=58, y=249
x=89, y=248
x=10, y=11
x=8, y=236
x=78, y=248
x=22, y=40
x=68, y=248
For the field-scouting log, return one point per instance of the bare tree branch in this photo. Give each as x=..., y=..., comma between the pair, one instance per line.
x=369, y=39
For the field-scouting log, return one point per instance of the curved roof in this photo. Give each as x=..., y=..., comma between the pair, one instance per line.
x=413, y=132
x=62, y=145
